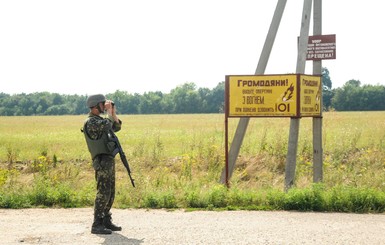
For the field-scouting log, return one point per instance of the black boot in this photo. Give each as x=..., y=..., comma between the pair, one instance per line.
x=99, y=228
x=107, y=222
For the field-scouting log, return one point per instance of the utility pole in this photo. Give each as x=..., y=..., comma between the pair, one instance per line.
x=244, y=122
x=294, y=122
x=317, y=121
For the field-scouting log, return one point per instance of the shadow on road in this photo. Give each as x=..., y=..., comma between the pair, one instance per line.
x=116, y=238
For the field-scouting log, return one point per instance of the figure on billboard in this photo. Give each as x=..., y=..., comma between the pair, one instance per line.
x=288, y=93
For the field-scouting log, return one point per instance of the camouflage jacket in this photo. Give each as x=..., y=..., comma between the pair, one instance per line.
x=96, y=126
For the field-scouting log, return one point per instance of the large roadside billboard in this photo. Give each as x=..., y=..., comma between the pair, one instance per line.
x=289, y=95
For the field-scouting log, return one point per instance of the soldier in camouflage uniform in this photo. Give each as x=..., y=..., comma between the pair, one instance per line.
x=96, y=131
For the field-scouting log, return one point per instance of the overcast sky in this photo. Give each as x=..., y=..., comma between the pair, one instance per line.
x=93, y=46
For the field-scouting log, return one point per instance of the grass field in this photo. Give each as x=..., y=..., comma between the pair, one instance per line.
x=177, y=161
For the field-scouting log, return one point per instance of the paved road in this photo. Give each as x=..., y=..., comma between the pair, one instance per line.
x=72, y=226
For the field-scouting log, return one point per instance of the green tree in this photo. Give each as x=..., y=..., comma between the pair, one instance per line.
x=186, y=99
x=42, y=101
x=57, y=110
x=76, y=104
x=150, y=103
x=123, y=102
x=372, y=98
x=326, y=81
x=204, y=95
x=132, y=105
x=346, y=98
x=57, y=99
x=216, y=100
x=327, y=92
x=354, y=97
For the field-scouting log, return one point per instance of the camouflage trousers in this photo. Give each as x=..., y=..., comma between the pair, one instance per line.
x=104, y=166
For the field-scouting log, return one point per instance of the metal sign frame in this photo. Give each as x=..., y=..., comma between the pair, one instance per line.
x=231, y=154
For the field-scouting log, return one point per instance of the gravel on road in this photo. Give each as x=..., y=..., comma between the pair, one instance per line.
x=140, y=226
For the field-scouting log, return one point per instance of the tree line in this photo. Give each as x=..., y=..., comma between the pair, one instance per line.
x=352, y=96
x=186, y=98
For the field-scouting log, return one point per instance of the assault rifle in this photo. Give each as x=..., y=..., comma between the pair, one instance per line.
x=119, y=150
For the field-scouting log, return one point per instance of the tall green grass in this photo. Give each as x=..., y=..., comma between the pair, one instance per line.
x=177, y=161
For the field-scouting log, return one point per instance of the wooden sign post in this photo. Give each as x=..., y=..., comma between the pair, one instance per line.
x=285, y=95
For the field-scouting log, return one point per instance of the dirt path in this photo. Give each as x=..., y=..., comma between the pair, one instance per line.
x=72, y=226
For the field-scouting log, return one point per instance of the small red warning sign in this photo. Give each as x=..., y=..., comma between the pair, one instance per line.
x=321, y=47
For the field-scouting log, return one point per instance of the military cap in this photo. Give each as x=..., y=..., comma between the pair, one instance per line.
x=95, y=99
